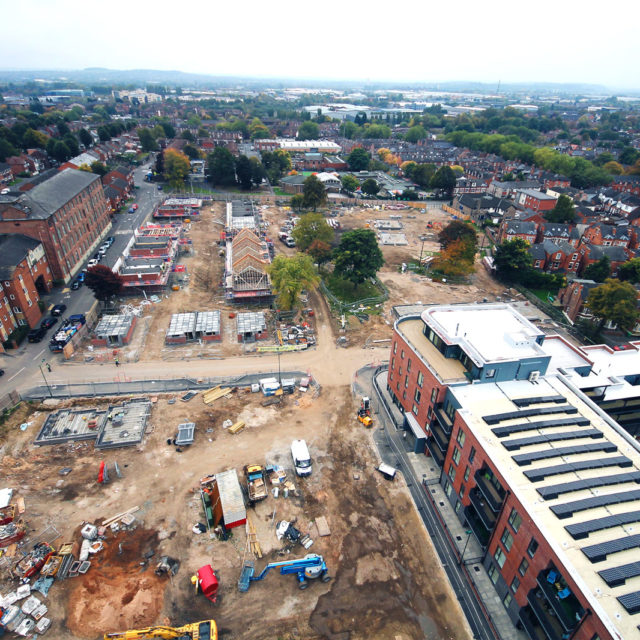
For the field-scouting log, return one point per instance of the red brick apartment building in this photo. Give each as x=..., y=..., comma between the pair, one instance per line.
x=535, y=200
x=545, y=480
x=67, y=213
x=24, y=274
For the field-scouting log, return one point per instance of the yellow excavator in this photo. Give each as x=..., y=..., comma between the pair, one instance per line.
x=204, y=630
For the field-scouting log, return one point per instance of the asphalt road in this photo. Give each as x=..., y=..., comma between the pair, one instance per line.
x=23, y=362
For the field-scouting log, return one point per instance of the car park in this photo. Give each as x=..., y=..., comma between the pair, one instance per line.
x=58, y=310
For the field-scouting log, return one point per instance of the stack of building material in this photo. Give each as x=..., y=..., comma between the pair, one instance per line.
x=237, y=427
x=213, y=394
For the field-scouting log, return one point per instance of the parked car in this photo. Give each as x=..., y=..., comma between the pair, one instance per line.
x=76, y=284
x=135, y=207
x=159, y=187
x=132, y=210
x=58, y=310
x=290, y=242
x=110, y=240
x=35, y=335
x=301, y=457
x=92, y=263
x=47, y=323
x=81, y=276
x=102, y=251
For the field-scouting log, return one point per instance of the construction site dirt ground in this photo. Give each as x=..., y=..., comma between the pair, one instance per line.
x=387, y=580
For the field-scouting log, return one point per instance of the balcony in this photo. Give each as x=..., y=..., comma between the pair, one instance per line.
x=441, y=416
x=494, y=497
x=441, y=438
x=545, y=615
x=565, y=605
x=436, y=454
x=484, y=511
x=481, y=532
x=531, y=624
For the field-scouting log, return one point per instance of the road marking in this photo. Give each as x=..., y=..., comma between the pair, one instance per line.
x=39, y=354
x=15, y=374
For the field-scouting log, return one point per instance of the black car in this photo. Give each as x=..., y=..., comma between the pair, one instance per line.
x=58, y=310
x=35, y=335
x=47, y=323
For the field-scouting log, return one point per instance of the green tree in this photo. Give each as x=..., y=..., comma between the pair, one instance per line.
x=444, y=179
x=415, y=133
x=59, y=150
x=422, y=174
x=630, y=271
x=308, y=131
x=169, y=130
x=147, y=140
x=311, y=227
x=629, y=155
x=191, y=151
x=289, y=276
x=221, y=167
x=297, y=202
x=6, y=149
x=598, y=271
x=351, y=130
x=103, y=282
x=358, y=159
x=176, y=168
x=314, y=193
x=615, y=302
x=257, y=129
x=459, y=231
x=104, y=134
x=258, y=172
x=349, y=183
x=244, y=171
x=85, y=137
x=376, y=131
x=358, y=256
x=33, y=138
x=72, y=144
x=99, y=168
x=564, y=211
x=276, y=164
x=613, y=168
x=370, y=187
x=513, y=260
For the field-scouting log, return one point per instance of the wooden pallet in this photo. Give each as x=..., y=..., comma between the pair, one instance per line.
x=252, y=539
x=237, y=427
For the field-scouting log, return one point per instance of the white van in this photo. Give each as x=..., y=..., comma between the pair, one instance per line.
x=301, y=457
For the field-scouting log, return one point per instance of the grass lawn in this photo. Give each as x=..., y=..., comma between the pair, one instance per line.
x=543, y=293
x=279, y=192
x=347, y=292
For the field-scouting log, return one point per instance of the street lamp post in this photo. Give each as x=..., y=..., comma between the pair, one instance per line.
x=423, y=238
x=468, y=532
x=45, y=379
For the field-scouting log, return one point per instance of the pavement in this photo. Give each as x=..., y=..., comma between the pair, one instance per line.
x=459, y=552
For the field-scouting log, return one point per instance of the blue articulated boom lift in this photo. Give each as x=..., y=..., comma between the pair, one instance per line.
x=308, y=568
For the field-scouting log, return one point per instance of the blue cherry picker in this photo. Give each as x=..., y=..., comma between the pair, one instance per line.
x=310, y=567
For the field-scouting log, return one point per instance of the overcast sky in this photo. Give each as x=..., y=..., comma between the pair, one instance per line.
x=410, y=40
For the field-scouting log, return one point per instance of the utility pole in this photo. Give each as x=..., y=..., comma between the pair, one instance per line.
x=45, y=379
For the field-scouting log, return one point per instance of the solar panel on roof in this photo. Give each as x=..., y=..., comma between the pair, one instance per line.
x=615, y=576
x=540, y=474
x=569, y=508
x=583, y=529
x=527, y=458
x=516, y=443
x=599, y=552
x=501, y=432
x=630, y=601
x=552, y=492
x=525, y=413
x=525, y=402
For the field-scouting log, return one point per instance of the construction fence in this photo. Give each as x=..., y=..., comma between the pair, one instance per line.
x=9, y=401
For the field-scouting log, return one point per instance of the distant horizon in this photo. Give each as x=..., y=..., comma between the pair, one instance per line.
x=324, y=81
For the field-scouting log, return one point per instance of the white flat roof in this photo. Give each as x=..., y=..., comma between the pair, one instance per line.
x=484, y=400
x=608, y=362
x=486, y=332
x=563, y=355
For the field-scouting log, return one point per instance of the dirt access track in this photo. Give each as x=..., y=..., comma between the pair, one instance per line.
x=387, y=580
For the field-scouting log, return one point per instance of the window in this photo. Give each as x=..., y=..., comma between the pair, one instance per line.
x=395, y=347
x=515, y=520
x=420, y=379
x=415, y=410
x=397, y=386
x=515, y=583
x=507, y=600
x=434, y=394
x=402, y=355
x=448, y=490
x=406, y=381
x=404, y=395
x=393, y=363
x=409, y=364
x=460, y=438
x=493, y=573
x=532, y=548
x=417, y=395
x=500, y=557
x=491, y=373
x=390, y=376
x=452, y=472
x=11, y=296
x=457, y=507
x=456, y=455
x=472, y=455
x=462, y=491
x=467, y=471
x=399, y=371
x=507, y=539
x=524, y=565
